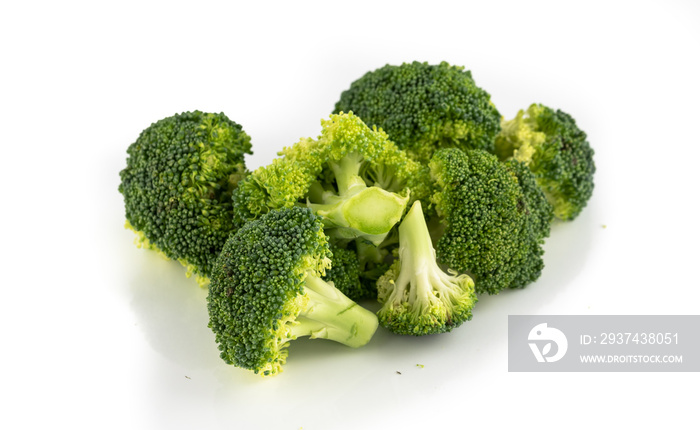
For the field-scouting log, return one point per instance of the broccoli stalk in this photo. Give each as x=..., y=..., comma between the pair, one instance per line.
x=329, y=314
x=376, y=259
x=419, y=297
x=361, y=211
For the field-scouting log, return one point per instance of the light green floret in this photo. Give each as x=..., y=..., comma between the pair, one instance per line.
x=353, y=209
x=267, y=290
x=550, y=143
x=352, y=175
x=418, y=297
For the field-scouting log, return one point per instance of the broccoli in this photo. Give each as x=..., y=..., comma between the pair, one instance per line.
x=556, y=151
x=345, y=273
x=266, y=290
x=353, y=176
x=375, y=260
x=177, y=185
x=360, y=264
x=495, y=219
x=536, y=228
x=424, y=107
x=418, y=297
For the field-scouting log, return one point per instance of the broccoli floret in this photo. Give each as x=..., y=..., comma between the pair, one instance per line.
x=424, y=107
x=538, y=213
x=177, y=186
x=353, y=176
x=418, y=297
x=494, y=220
x=556, y=151
x=345, y=273
x=266, y=290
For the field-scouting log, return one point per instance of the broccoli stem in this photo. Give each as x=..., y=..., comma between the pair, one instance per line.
x=419, y=297
x=331, y=315
x=347, y=173
x=368, y=252
x=421, y=281
x=357, y=210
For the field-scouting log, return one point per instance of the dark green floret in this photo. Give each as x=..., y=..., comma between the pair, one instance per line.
x=418, y=297
x=556, y=151
x=267, y=289
x=538, y=214
x=495, y=220
x=424, y=107
x=345, y=273
x=177, y=186
x=352, y=175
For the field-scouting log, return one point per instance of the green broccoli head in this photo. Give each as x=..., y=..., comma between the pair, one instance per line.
x=418, y=297
x=556, y=151
x=495, y=223
x=266, y=290
x=424, y=107
x=353, y=176
x=177, y=186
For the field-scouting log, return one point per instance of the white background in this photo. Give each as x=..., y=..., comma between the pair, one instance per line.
x=99, y=334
